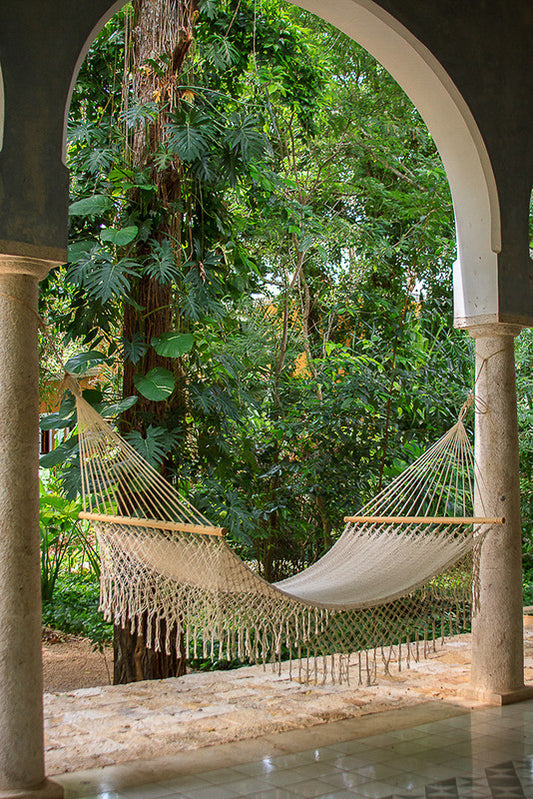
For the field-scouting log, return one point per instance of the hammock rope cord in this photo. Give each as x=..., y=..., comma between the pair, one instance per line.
x=395, y=577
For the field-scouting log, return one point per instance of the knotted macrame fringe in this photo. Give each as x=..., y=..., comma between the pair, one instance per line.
x=315, y=644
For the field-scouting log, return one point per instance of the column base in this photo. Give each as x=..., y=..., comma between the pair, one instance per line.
x=46, y=790
x=494, y=698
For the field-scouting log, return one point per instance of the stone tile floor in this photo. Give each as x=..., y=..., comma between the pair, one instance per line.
x=428, y=752
x=108, y=725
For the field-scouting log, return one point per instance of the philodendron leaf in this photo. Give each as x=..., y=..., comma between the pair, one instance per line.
x=119, y=236
x=91, y=206
x=60, y=454
x=54, y=421
x=78, y=249
x=93, y=396
x=81, y=363
x=118, y=407
x=157, y=384
x=152, y=446
x=135, y=348
x=107, y=278
x=173, y=345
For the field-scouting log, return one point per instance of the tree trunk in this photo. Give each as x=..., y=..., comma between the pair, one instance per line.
x=162, y=28
x=133, y=661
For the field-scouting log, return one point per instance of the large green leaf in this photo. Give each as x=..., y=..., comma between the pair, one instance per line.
x=136, y=112
x=54, y=421
x=189, y=139
x=91, y=206
x=60, y=454
x=162, y=265
x=119, y=236
x=118, y=407
x=81, y=363
x=79, y=249
x=93, y=396
x=173, y=345
x=157, y=384
x=153, y=446
x=134, y=349
x=108, y=279
x=244, y=135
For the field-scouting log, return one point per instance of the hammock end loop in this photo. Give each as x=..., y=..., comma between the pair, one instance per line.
x=466, y=406
x=70, y=382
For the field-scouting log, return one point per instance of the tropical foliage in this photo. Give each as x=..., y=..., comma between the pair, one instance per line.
x=303, y=246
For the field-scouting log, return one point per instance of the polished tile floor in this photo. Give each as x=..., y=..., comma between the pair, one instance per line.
x=486, y=753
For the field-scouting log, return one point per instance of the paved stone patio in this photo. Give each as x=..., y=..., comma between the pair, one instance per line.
x=95, y=727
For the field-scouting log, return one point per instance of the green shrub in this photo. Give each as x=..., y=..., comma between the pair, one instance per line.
x=73, y=608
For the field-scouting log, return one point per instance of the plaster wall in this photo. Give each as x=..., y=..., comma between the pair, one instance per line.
x=465, y=65
x=485, y=48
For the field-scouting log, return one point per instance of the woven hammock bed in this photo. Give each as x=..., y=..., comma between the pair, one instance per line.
x=398, y=577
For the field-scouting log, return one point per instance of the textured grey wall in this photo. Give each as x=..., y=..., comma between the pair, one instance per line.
x=484, y=45
x=40, y=41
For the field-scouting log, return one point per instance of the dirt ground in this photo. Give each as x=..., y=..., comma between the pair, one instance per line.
x=70, y=663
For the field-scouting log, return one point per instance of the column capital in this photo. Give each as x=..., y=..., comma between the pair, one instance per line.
x=495, y=329
x=27, y=265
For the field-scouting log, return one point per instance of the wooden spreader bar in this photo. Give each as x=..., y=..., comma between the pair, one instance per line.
x=424, y=519
x=153, y=524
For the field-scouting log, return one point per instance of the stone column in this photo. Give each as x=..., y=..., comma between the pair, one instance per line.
x=21, y=716
x=497, y=674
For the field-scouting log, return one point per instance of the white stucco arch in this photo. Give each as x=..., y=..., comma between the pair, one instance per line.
x=456, y=134
x=112, y=10
x=453, y=128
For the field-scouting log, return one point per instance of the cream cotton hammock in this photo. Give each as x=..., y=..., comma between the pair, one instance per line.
x=375, y=593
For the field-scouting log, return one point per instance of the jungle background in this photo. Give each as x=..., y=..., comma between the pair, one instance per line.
x=258, y=288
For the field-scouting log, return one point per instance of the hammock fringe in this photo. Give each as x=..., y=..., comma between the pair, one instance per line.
x=238, y=627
